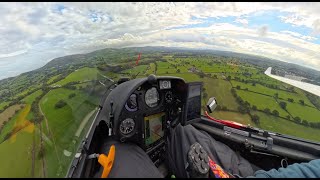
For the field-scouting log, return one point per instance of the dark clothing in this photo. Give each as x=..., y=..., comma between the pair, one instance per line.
x=182, y=137
x=130, y=161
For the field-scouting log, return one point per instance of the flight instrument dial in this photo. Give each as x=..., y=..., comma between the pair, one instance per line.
x=127, y=126
x=152, y=97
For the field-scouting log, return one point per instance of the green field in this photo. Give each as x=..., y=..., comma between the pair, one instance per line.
x=268, y=91
x=3, y=104
x=188, y=77
x=165, y=68
x=151, y=69
x=83, y=85
x=16, y=152
x=23, y=93
x=133, y=71
x=282, y=126
x=261, y=101
x=29, y=99
x=63, y=128
x=220, y=89
x=14, y=121
x=81, y=75
x=304, y=112
x=16, y=157
x=218, y=68
x=53, y=78
x=63, y=124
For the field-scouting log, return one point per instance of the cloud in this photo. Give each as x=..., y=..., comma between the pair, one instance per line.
x=244, y=22
x=263, y=30
x=316, y=27
x=13, y=54
x=59, y=29
x=295, y=34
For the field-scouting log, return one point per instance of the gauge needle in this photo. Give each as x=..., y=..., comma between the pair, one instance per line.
x=133, y=102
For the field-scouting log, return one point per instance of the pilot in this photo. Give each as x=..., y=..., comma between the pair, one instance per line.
x=229, y=163
x=183, y=144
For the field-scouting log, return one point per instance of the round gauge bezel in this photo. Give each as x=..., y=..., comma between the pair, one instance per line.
x=165, y=97
x=130, y=109
x=158, y=97
x=127, y=133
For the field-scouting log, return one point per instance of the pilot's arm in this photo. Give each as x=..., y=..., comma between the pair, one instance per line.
x=297, y=170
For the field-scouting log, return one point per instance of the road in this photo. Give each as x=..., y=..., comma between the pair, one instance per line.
x=50, y=135
x=84, y=122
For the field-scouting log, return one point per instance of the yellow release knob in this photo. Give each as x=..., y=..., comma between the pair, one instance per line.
x=107, y=161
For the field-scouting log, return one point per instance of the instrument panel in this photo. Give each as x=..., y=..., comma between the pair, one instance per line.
x=149, y=109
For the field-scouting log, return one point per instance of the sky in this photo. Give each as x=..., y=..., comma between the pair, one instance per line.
x=33, y=33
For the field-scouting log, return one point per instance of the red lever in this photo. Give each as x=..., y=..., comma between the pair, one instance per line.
x=226, y=122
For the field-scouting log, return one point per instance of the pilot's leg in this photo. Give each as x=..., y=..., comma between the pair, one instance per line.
x=182, y=137
x=130, y=161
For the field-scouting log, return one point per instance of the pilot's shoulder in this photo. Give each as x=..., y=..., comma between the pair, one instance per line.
x=296, y=170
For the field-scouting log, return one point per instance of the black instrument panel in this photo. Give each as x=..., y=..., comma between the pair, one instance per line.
x=149, y=109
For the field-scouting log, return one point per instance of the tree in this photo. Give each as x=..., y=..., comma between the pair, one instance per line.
x=283, y=105
x=312, y=124
x=178, y=71
x=242, y=109
x=72, y=95
x=288, y=117
x=253, y=84
x=267, y=110
x=229, y=78
x=255, y=118
x=275, y=112
x=305, y=122
x=60, y=104
x=301, y=102
x=254, y=107
x=276, y=95
x=71, y=87
x=4, y=123
x=290, y=100
x=246, y=103
x=239, y=100
x=291, y=88
x=238, y=87
x=297, y=119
